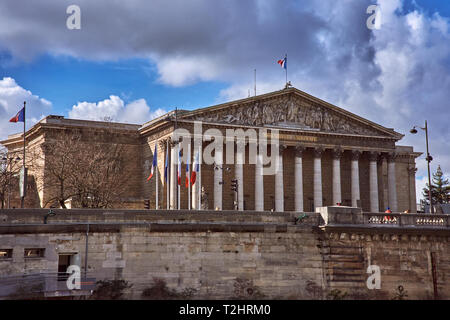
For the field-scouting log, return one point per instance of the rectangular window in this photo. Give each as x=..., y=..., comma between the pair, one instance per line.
x=64, y=261
x=34, y=253
x=5, y=254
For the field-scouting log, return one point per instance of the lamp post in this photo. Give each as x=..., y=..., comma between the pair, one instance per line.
x=429, y=158
x=8, y=162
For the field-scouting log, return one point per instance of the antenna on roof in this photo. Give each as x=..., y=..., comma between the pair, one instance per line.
x=255, y=82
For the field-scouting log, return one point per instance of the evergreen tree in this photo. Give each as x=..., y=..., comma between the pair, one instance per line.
x=440, y=188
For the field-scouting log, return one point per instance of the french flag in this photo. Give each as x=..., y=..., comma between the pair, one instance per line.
x=179, y=168
x=196, y=169
x=155, y=158
x=187, y=174
x=166, y=166
x=19, y=117
x=283, y=63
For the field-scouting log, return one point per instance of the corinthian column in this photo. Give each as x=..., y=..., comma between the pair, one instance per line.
x=318, y=198
x=299, y=179
x=259, y=183
x=355, y=178
x=239, y=172
x=392, y=185
x=279, y=187
x=412, y=188
x=173, y=175
x=337, y=193
x=218, y=178
x=373, y=182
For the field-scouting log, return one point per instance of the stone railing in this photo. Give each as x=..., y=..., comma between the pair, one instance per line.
x=407, y=219
x=354, y=216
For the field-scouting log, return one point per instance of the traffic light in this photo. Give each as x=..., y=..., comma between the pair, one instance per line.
x=234, y=185
x=147, y=204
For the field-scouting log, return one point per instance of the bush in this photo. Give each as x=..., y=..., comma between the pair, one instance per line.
x=110, y=289
x=160, y=291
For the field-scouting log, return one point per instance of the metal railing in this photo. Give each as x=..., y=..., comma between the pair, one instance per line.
x=38, y=285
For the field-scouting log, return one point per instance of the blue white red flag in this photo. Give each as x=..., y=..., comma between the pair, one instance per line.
x=166, y=166
x=283, y=63
x=187, y=174
x=155, y=159
x=195, y=169
x=19, y=117
x=179, y=168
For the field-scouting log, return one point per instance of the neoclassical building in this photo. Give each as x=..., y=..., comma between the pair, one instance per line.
x=327, y=155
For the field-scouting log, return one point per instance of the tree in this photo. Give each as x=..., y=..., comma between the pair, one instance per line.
x=90, y=173
x=440, y=188
x=9, y=168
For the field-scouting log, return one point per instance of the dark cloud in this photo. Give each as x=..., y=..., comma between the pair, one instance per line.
x=396, y=76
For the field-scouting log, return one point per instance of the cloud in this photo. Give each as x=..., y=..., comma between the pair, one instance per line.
x=12, y=97
x=115, y=109
x=397, y=76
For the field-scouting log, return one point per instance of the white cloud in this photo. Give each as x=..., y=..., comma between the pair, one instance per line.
x=115, y=108
x=12, y=96
x=181, y=71
x=397, y=76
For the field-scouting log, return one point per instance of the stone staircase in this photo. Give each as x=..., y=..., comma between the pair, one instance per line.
x=343, y=265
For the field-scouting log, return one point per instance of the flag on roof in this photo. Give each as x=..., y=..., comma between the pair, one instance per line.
x=19, y=117
x=283, y=63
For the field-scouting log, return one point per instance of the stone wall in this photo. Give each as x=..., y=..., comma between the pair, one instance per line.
x=225, y=255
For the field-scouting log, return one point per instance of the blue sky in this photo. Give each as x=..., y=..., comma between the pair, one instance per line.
x=66, y=81
x=135, y=60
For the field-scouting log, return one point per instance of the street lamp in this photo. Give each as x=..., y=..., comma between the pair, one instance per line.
x=429, y=158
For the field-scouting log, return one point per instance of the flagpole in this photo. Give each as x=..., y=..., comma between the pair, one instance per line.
x=188, y=172
x=199, y=178
x=22, y=199
x=167, y=167
x=179, y=175
x=286, y=70
x=156, y=178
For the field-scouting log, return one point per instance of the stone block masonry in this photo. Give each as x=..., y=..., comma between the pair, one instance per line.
x=234, y=254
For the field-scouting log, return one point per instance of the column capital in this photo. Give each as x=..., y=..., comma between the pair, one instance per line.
x=172, y=142
x=391, y=156
x=282, y=147
x=337, y=153
x=318, y=152
x=163, y=143
x=374, y=155
x=299, y=150
x=412, y=170
x=356, y=154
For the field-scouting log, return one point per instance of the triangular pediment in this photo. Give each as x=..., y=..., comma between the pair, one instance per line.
x=290, y=109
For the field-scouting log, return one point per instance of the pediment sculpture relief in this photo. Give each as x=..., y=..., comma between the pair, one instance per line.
x=285, y=111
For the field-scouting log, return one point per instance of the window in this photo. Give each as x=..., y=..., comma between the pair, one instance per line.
x=64, y=261
x=5, y=254
x=34, y=253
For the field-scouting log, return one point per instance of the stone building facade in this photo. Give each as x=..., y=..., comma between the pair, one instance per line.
x=327, y=156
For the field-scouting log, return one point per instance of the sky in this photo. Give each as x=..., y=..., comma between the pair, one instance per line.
x=135, y=60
